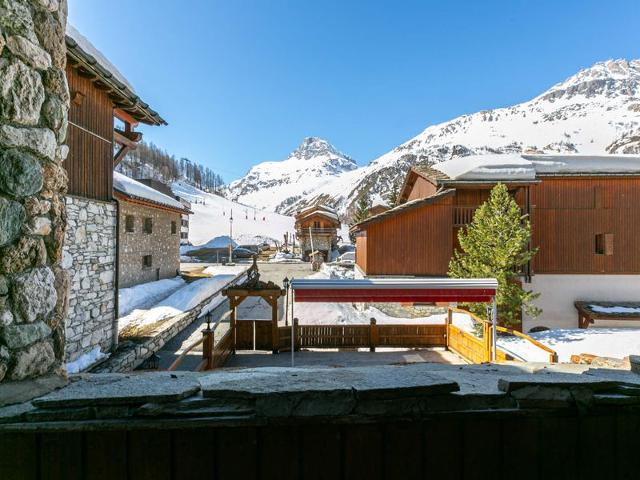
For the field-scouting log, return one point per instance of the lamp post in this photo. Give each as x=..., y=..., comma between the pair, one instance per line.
x=285, y=283
x=231, y=237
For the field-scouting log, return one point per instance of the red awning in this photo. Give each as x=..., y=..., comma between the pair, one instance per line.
x=415, y=290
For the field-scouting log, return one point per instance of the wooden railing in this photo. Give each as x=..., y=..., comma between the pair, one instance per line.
x=553, y=356
x=478, y=349
x=363, y=336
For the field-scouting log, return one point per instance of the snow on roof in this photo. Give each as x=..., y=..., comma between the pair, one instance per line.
x=516, y=167
x=88, y=47
x=598, y=164
x=488, y=167
x=135, y=189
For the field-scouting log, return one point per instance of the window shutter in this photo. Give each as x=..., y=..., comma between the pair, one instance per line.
x=608, y=243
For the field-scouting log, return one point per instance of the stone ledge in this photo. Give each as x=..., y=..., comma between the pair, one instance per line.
x=281, y=395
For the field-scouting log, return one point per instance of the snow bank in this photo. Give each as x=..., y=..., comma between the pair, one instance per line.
x=146, y=294
x=604, y=342
x=179, y=302
x=85, y=360
x=129, y=186
x=224, y=270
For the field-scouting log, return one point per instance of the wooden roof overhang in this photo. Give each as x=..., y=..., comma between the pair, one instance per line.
x=416, y=290
x=404, y=207
x=122, y=96
x=149, y=203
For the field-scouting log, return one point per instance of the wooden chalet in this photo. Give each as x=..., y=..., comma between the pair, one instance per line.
x=585, y=217
x=104, y=112
x=317, y=230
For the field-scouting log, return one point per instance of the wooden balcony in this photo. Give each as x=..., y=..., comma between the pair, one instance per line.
x=463, y=215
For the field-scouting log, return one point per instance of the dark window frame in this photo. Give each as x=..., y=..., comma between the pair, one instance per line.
x=129, y=224
x=174, y=227
x=604, y=243
x=148, y=225
x=147, y=261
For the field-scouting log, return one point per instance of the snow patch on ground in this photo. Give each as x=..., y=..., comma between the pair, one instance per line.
x=85, y=360
x=146, y=294
x=604, y=342
x=184, y=299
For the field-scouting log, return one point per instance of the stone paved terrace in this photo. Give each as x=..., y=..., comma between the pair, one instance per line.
x=344, y=358
x=386, y=422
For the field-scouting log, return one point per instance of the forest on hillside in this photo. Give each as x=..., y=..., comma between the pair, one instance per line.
x=151, y=161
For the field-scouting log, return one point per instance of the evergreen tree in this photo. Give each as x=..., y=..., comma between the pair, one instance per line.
x=361, y=213
x=394, y=195
x=495, y=245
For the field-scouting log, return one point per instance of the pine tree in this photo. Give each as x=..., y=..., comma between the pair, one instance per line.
x=495, y=245
x=361, y=213
x=394, y=195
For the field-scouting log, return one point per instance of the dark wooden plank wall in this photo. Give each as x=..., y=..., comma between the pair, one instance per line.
x=498, y=445
x=421, y=189
x=569, y=212
x=90, y=161
x=416, y=242
x=361, y=250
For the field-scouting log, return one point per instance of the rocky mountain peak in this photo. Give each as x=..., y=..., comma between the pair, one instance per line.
x=312, y=147
x=610, y=78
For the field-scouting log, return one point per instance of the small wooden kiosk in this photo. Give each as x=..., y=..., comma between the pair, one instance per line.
x=262, y=334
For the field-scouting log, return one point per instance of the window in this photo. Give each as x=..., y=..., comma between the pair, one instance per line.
x=604, y=244
x=174, y=228
x=148, y=225
x=129, y=223
x=316, y=224
x=147, y=261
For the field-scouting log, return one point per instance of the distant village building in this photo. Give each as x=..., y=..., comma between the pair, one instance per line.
x=166, y=189
x=184, y=222
x=98, y=93
x=317, y=230
x=585, y=218
x=148, y=233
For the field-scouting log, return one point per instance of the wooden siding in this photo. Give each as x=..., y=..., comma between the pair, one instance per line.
x=361, y=251
x=90, y=161
x=421, y=189
x=415, y=242
x=568, y=213
x=542, y=443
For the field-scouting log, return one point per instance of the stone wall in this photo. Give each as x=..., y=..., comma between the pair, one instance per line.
x=161, y=244
x=90, y=259
x=34, y=102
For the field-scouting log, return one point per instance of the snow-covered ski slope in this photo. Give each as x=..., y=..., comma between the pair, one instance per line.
x=211, y=214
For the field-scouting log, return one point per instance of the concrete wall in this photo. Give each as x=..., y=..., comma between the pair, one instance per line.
x=558, y=292
x=161, y=244
x=34, y=104
x=90, y=259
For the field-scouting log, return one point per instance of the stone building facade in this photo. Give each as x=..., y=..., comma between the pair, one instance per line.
x=90, y=259
x=34, y=101
x=147, y=254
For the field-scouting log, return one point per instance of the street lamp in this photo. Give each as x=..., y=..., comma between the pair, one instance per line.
x=285, y=283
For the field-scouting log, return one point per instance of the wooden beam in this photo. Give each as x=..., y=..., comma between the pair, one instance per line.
x=125, y=117
x=126, y=140
x=119, y=156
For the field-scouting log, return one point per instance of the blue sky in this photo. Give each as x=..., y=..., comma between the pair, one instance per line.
x=243, y=81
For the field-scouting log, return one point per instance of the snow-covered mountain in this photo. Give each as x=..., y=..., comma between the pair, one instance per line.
x=596, y=110
x=278, y=185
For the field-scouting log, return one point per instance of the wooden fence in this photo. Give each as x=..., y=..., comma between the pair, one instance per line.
x=477, y=349
x=258, y=334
